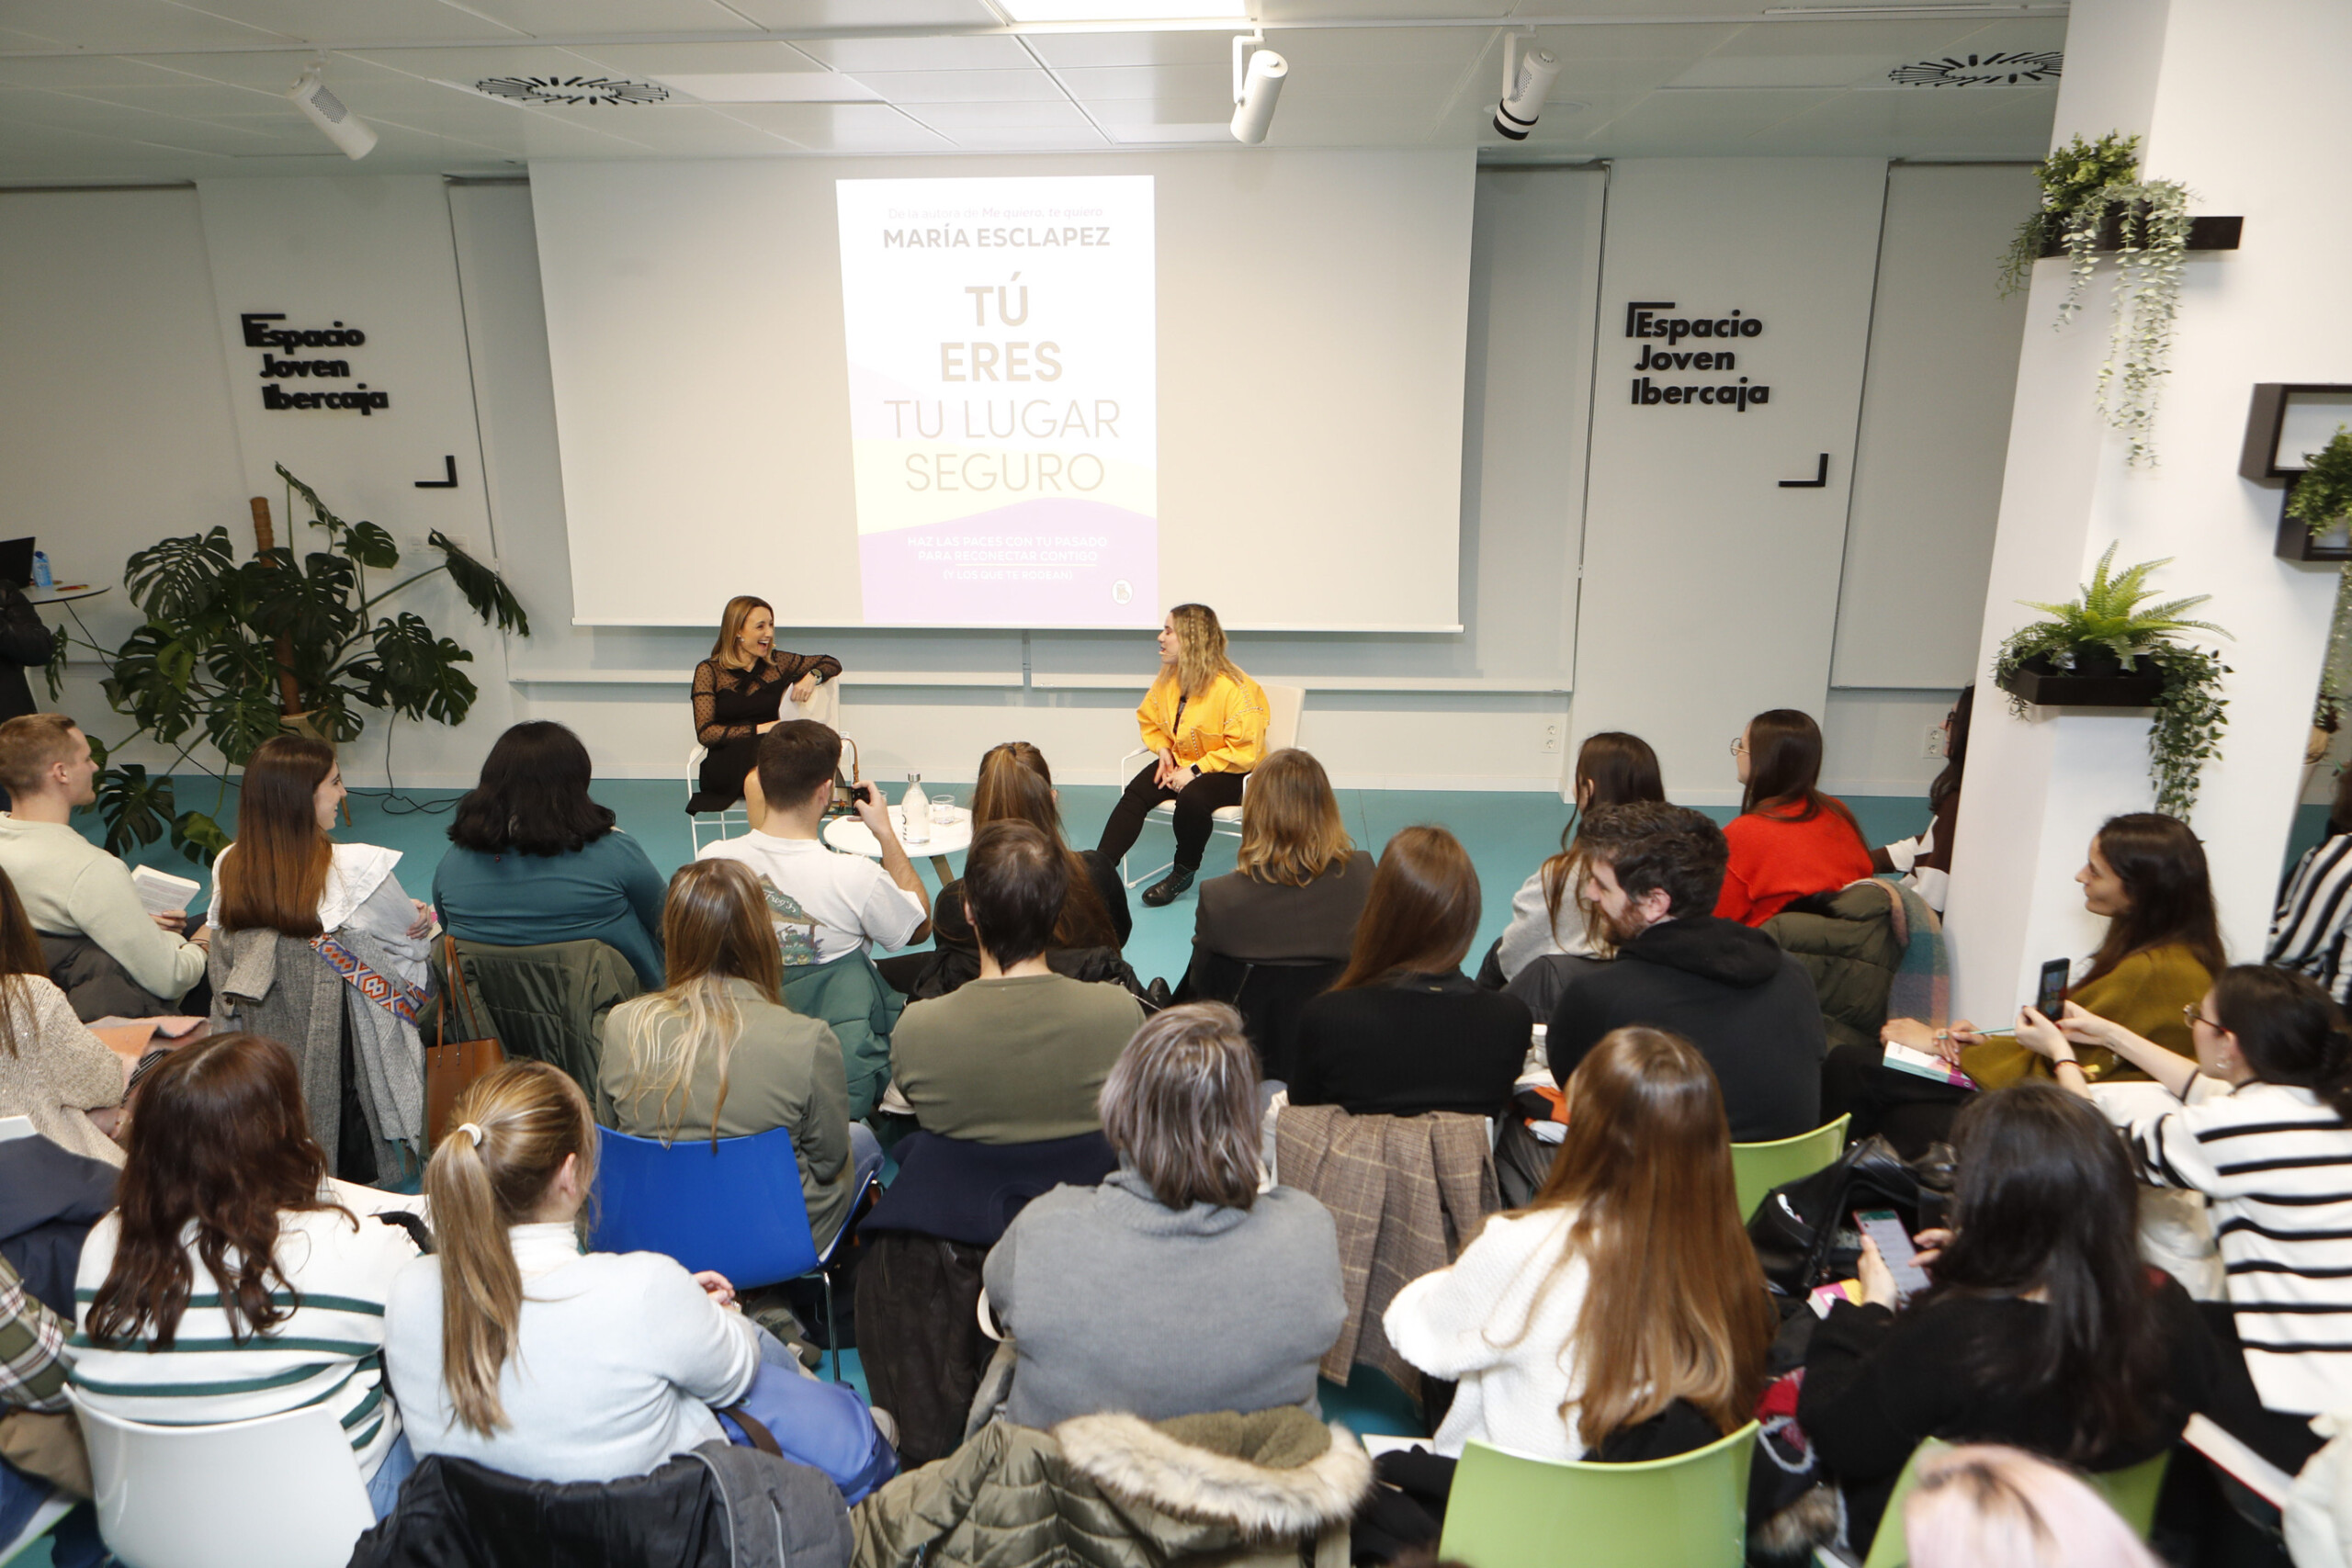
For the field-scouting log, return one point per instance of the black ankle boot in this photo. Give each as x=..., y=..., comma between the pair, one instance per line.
x=1160, y=894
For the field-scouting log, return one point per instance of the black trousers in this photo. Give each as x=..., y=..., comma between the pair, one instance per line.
x=1194, y=801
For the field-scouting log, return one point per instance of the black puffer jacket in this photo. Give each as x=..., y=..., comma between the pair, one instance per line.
x=719, y=1506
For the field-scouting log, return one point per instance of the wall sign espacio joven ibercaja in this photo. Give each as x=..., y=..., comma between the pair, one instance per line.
x=1686, y=343
x=282, y=361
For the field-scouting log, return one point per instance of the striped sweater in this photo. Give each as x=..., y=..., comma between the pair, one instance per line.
x=2275, y=1164
x=2307, y=934
x=330, y=1352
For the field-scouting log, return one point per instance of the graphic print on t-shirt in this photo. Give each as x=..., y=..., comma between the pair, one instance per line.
x=795, y=927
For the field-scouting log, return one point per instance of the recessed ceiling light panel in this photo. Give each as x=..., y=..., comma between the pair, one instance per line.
x=572, y=91
x=1125, y=10
x=2019, y=69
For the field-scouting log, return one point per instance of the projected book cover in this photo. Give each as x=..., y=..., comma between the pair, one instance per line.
x=1002, y=371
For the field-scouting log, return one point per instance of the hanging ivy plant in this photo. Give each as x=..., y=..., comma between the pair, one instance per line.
x=2149, y=263
x=2108, y=622
x=2322, y=499
x=2071, y=176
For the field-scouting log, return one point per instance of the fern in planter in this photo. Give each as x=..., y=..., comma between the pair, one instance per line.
x=2109, y=625
x=234, y=652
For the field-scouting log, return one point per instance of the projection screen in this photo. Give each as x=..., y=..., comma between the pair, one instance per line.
x=1236, y=375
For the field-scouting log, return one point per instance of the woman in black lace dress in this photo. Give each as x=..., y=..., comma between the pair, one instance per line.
x=739, y=696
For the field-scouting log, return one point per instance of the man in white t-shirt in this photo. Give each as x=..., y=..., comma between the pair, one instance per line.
x=825, y=905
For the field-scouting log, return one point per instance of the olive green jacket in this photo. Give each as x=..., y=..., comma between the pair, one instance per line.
x=1272, y=1489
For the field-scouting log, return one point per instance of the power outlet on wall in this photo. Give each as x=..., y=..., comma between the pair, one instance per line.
x=1551, y=741
x=1935, y=745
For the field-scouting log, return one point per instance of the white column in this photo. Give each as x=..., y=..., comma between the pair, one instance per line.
x=2244, y=103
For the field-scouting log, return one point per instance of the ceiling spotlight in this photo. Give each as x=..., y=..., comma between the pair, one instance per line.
x=1526, y=78
x=1255, y=87
x=322, y=108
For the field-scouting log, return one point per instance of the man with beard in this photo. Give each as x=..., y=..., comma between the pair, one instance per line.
x=1725, y=987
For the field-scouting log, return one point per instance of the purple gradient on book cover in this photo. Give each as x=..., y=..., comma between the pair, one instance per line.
x=1051, y=562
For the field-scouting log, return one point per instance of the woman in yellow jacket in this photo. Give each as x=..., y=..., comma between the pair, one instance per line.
x=1204, y=723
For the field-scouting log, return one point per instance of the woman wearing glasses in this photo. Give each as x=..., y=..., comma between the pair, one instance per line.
x=2260, y=1129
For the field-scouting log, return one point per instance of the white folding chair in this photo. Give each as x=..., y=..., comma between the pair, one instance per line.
x=703, y=828
x=280, y=1489
x=1284, y=705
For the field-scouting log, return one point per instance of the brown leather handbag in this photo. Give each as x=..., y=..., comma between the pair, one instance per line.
x=450, y=1065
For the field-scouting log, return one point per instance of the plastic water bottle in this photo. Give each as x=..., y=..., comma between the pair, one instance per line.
x=40, y=570
x=914, y=809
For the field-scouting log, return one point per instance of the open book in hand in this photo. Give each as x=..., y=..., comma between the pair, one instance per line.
x=160, y=892
x=1926, y=1065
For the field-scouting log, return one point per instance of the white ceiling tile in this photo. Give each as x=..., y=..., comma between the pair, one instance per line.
x=126, y=24
x=961, y=87
x=74, y=72
x=580, y=18
x=954, y=118
x=1146, y=81
x=1060, y=49
x=205, y=100
x=859, y=55
x=1031, y=139
x=339, y=21
x=1195, y=133
x=473, y=65
x=1274, y=12
x=1132, y=114
x=661, y=59
x=773, y=87
x=842, y=127
x=783, y=15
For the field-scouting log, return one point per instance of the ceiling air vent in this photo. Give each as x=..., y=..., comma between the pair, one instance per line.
x=573, y=90
x=2019, y=69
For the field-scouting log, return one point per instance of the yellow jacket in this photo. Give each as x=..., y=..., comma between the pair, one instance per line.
x=1222, y=730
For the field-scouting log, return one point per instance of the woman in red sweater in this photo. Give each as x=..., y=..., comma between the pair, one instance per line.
x=1789, y=839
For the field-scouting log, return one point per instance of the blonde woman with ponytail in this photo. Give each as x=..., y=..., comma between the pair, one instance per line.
x=511, y=1346
x=716, y=1054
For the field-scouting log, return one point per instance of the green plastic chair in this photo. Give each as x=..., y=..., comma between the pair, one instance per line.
x=1757, y=1168
x=1690, y=1511
x=2130, y=1493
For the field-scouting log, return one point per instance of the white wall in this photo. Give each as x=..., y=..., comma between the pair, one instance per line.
x=120, y=427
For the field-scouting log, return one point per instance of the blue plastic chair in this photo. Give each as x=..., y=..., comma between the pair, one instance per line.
x=734, y=1207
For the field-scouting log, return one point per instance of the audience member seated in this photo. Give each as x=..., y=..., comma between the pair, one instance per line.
x=2147, y=874
x=824, y=906
x=103, y=950
x=51, y=1069
x=1176, y=1287
x=512, y=1348
x=718, y=1054
x=1404, y=1030
x=2041, y=1328
x=738, y=696
x=1204, y=723
x=1621, y=1315
x=32, y=1382
x=1298, y=883
x=831, y=911
x=533, y=860
x=234, y=1280
x=2264, y=1131
x=1790, y=840
x=1549, y=914
x=1925, y=862
x=1016, y=785
x=2307, y=933
x=1020, y=1054
x=286, y=873
x=1983, y=1504
x=1653, y=871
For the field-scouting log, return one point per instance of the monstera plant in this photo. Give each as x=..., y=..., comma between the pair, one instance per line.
x=233, y=651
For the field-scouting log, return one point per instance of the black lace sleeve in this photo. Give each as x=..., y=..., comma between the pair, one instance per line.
x=706, y=730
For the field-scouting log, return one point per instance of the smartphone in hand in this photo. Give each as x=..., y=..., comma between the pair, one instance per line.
x=1894, y=1244
x=2050, y=996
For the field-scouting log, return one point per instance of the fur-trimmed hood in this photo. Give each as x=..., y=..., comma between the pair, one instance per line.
x=1257, y=1473
x=1113, y=1491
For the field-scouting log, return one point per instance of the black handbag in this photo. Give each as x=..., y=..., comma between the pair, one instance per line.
x=1802, y=1233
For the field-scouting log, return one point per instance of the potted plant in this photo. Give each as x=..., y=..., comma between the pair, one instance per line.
x=2072, y=177
x=2105, y=648
x=235, y=651
x=2319, y=499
